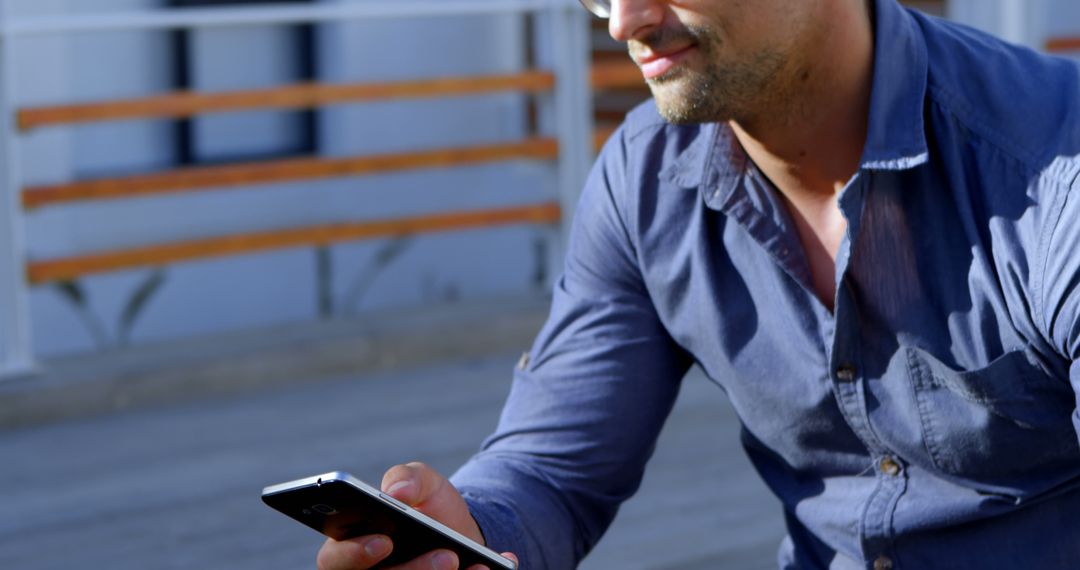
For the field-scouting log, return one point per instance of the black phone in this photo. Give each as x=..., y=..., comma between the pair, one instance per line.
x=341, y=506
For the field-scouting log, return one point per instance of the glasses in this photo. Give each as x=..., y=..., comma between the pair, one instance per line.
x=599, y=8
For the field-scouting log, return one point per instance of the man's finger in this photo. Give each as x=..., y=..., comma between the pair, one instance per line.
x=354, y=554
x=435, y=560
x=509, y=555
x=423, y=488
x=412, y=483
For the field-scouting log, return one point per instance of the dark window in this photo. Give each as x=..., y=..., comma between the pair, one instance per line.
x=198, y=65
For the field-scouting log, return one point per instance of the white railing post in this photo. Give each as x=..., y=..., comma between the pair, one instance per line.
x=15, y=340
x=573, y=109
x=1017, y=21
x=1022, y=22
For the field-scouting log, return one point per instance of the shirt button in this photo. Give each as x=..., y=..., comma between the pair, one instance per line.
x=889, y=466
x=883, y=563
x=845, y=373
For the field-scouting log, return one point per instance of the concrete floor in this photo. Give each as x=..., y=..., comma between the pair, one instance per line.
x=178, y=486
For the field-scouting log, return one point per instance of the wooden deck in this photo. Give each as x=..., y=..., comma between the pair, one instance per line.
x=179, y=487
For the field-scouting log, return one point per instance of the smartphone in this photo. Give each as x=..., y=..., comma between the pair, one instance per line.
x=342, y=507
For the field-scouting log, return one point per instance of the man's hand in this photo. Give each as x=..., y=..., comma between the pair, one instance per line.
x=422, y=488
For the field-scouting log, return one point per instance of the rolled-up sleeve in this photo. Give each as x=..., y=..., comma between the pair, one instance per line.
x=587, y=406
x=1061, y=285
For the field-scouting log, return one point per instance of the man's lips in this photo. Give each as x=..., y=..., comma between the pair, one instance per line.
x=654, y=64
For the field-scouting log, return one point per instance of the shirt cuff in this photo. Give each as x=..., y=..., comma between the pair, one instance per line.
x=499, y=525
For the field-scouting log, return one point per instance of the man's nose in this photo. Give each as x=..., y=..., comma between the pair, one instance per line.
x=634, y=19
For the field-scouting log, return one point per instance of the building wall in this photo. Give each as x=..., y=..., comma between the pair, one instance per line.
x=299, y=285
x=286, y=286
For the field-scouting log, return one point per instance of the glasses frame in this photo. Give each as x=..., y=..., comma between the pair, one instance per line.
x=599, y=8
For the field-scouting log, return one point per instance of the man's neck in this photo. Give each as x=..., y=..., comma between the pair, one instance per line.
x=809, y=143
x=809, y=136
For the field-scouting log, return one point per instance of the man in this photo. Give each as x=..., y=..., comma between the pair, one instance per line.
x=863, y=224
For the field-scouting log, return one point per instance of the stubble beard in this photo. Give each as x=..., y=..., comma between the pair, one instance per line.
x=717, y=91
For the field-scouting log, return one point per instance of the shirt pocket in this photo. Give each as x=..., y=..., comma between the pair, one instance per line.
x=1006, y=425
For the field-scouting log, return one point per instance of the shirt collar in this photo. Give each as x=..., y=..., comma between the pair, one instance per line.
x=896, y=137
x=691, y=167
x=896, y=134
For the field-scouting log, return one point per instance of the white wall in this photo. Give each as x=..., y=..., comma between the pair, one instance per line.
x=1018, y=21
x=1061, y=18
x=278, y=287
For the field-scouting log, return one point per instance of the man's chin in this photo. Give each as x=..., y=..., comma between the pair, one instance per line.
x=683, y=101
x=679, y=110
x=679, y=118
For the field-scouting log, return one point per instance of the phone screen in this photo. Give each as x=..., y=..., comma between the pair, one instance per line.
x=342, y=507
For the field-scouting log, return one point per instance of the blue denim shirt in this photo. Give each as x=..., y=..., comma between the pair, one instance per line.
x=930, y=419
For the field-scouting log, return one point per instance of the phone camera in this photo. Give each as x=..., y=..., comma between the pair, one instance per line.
x=325, y=509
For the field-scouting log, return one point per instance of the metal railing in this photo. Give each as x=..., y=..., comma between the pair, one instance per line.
x=567, y=82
